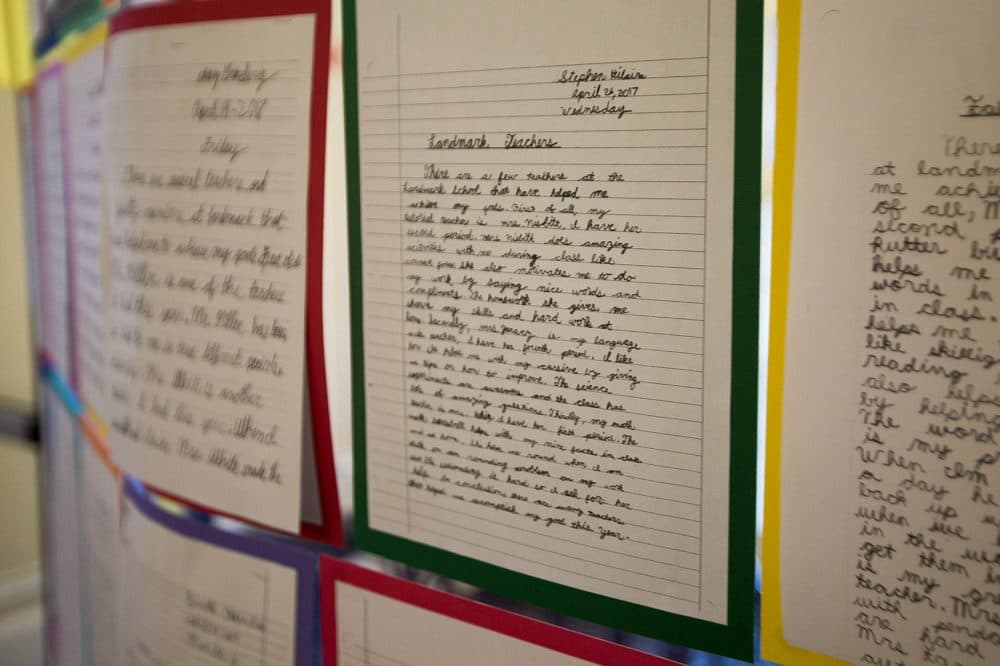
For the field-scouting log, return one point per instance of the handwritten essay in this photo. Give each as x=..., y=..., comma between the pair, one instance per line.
x=546, y=266
x=208, y=128
x=892, y=409
x=86, y=211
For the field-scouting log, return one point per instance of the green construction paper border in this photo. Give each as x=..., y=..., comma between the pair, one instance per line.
x=735, y=638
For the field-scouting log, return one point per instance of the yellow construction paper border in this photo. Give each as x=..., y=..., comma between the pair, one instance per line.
x=774, y=647
x=75, y=44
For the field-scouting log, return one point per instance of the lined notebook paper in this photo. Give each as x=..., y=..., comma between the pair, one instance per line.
x=87, y=217
x=208, y=167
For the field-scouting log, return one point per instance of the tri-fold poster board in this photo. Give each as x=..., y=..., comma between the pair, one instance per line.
x=551, y=251
x=553, y=360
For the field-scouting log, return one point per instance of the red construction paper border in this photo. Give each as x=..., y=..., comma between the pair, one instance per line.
x=330, y=531
x=523, y=628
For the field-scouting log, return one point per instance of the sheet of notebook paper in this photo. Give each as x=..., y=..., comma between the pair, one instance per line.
x=208, y=148
x=546, y=260
x=52, y=229
x=373, y=628
x=87, y=216
x=187, y=601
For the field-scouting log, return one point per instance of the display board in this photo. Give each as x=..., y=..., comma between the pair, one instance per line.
x=554, y=261
x=884, y=403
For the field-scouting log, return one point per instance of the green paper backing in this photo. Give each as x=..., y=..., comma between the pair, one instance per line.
x=735, y=638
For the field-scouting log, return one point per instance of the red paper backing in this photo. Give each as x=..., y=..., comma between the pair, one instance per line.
x=475, y=613
x=330, y=531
